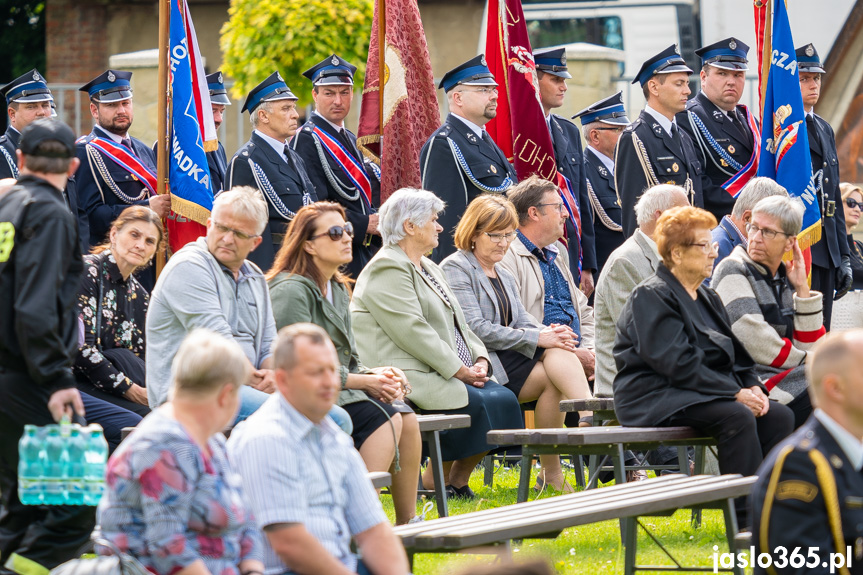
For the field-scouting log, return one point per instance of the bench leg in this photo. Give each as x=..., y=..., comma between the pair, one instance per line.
x=699, y=470
x=488, y=471
x=524, y=474
x=578, y=464
x=433, y=440
x=619, y=473
x=629, y=538
x=730, y=514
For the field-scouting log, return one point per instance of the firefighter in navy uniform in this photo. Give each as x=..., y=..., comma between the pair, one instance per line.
x=27, y=98
x=552, y=74
x=653, y=150
x=334, y=163
x=831, y=256
x=460, y=161
x=809, y=492
x=718, y=124
x=602, y=123
x=217, y=160
x=267, y=162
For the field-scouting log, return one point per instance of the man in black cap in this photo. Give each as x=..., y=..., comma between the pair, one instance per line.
x=552, y=74
x=333, y=161
x=116, y=169
x=460, y=161
x=652, y=150
x=602, y=123
x=217, y=160
x=40, y=269
x=267, y=162
x=831, y=257
x=719, y=125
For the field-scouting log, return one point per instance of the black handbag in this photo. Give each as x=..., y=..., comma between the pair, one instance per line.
x=118, y=563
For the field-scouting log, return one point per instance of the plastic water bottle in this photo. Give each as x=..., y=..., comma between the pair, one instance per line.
x=56, y=462
x=77, y=450
x=30, y=469
x=94, y=468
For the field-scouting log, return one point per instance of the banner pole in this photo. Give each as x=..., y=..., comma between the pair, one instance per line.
x=162, y=116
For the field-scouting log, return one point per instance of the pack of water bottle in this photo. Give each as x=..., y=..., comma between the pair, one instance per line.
x=62, y=464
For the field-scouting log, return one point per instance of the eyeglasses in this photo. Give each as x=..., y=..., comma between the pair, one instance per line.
x=500, y=238
x=706, y=247
x=336, y=232
x=483, y=91
x=766, y=233
x=854, y=204
x=237, y=233
x=620, y=129
x=559, y=205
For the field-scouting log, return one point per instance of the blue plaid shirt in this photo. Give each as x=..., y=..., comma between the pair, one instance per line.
x=558, y=300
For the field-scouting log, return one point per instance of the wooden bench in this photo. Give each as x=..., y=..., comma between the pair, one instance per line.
x=546, y=518
x=380, y=479
x=430, y=427
x=610, y=441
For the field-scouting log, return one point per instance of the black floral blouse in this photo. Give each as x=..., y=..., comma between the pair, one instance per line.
x=124, y=312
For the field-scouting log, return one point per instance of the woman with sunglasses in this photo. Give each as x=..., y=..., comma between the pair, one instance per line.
x=852, y=202
x=307, y=286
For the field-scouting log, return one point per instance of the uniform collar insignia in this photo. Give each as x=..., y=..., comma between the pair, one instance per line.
x=717, y=115
x=602, y=170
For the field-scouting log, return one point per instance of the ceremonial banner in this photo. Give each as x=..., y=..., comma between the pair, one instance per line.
x=784, y=142
x=194, y=133
x=399, y=108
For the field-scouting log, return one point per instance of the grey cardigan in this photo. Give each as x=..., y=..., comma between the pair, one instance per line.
x=474, y=292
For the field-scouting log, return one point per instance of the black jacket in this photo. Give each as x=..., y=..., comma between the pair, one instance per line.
x=291, y=185
x=38, y=317
x=668, y=358
x=443, y=175
x=798, y=516
x=605, y=209
x=670, y=161
x=9, y=141
x=736, y=142
x=828, y=252
x=217, y=161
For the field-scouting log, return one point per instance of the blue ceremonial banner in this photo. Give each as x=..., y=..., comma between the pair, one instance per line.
x=784, y=140
x=192, y=118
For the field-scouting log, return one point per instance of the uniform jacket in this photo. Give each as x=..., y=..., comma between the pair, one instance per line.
x=442, y=174
x=670, y=161
x=524, y=266
x=217, y=161
x=798, y=515
x=668, y=357
x=407, y=324
x=9, y=141
x=356, y=211
x=736, y=142
x=291, y=184
x=100, y=202
x=605, y=208
x=474, y=291
x=828, y=252
x=38, y=316
x=570, y=163
x=629, y=265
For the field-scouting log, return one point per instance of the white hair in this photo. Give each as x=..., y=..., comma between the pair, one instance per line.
x=753, y=192
x=254, y=119
x=406, y=205
x=787, y=210
x=658, y=198
x=245, y=202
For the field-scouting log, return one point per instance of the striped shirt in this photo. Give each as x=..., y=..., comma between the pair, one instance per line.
x=296, y=471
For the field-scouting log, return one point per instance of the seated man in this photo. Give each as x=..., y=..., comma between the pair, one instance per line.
x=770, y=306
x=305, y=482
x=731, y=231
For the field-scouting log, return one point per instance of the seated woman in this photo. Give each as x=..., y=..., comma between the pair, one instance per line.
x=171, y=499
x=113, y=307
x=307, y=286
x=852, y=203
x=405, y=315
x=678, y=360
x=536, y=362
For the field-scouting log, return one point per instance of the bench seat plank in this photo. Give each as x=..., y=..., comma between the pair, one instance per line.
x=434, y=422
x=591, y=404
x=610, y=435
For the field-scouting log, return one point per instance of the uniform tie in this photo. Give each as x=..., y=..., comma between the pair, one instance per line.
x=127, y=142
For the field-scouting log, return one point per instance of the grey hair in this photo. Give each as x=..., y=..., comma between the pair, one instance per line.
x=659, y=197
x=406, y=205
x=753, y=192
x=585, y=130
x=789, y=211
x=254, y=119
x=245, y=202
x=205, y=362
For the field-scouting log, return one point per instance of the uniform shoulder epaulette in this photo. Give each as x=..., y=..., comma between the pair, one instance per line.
x=3, y=138
x=444, y=130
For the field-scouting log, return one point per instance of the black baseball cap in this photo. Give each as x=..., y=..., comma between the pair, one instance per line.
x=44, y=130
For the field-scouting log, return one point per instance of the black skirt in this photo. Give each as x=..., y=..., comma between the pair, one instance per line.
x=367, y=416
x=518, y=367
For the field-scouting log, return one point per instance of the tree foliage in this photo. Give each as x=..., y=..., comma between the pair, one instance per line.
x=22, y=38
x=291, y=36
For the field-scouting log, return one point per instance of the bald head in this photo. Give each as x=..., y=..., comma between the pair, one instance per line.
x=835, y=373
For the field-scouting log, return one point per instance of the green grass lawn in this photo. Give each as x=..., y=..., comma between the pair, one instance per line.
x=588, y=549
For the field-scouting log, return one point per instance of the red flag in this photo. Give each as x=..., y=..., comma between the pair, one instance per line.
x=405, y=113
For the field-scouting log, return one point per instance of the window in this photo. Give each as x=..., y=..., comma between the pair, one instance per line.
x=604, y=31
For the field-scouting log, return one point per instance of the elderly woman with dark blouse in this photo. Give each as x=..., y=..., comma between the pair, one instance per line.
x=678, y=360
x=172, y=500
x=536, y=362
x=404, y=314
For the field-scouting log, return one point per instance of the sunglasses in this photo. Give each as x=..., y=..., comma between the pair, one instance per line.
x=854, y=204
x=336, y=232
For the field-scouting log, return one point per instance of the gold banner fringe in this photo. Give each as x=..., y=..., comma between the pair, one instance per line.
x=371, y=139
x=190, y=210
x=211, y=145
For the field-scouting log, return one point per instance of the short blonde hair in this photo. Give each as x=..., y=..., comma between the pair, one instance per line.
x=246, y=202
x=676, y=227
x=847, y=189
x=486, y=213
x=205, y=362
